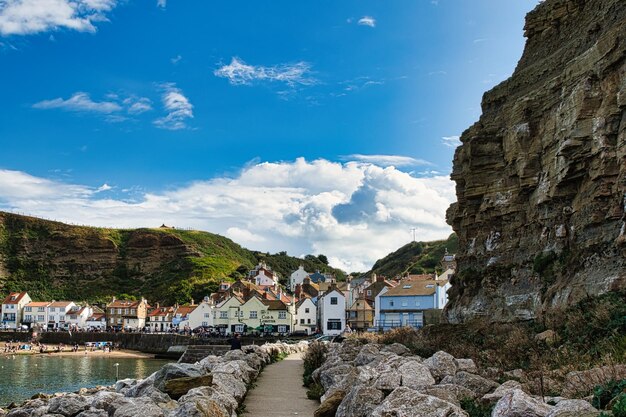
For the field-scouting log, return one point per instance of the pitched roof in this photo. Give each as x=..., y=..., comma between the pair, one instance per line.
x=37, y=304
x=414, y=287
x=14, y=297
x=96, y=316
x=317, y=277
x=60, y=303
x=274, y=304
x=420, y=277
x=363, y=305
x=123, y=303
x=184, y=310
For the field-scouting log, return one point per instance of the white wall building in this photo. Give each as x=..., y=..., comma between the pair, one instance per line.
x=377, y=304
x=305, y=316
x=202, y=315
x=76, y=318
x=96, y=321
x=36, y=314
x=332, y=312
x=57, y=312
x=297, y=277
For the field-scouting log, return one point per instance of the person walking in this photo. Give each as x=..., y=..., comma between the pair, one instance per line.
x=235, y=342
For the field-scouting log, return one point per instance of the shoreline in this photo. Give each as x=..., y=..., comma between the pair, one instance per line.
x=66, y=352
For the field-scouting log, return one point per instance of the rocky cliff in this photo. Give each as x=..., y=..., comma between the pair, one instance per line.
x=541, y=177
x=52, y=260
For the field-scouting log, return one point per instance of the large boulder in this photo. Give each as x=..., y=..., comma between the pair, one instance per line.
x=328, y=407
x=68, y=405
x=519, y=404
x=581, y=383
x=360, y=402
x=448, y=392
x=200, y=407
x=227, y=401
x=501, y=391
x=141, y=388
x=103, y=399
x=228, y=384
x=237, y=368
x=415, y=374
x=142, y=406
x=388, y=381
x=441, y=365
x=331, y=376
x=466, y=365
x=178, y=387
x=405, y=402
x=478, y=384
x=573, y=408
x=93, y=413
x=176, y=370
x=397, y=348
x=369, y=353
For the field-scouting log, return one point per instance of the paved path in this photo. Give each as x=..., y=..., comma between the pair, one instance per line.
x=279, y=391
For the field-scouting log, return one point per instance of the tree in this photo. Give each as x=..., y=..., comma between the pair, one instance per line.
x=323, y=259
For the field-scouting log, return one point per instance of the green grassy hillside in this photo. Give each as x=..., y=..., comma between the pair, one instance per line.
x=415, y=258
x=52, y=260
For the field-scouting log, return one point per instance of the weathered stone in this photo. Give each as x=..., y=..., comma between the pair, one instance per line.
x=103, y=399
x=396, y=348
x=388, y=381
x=141, y=388
x=178, y=387
x=360, y=402
x=475, y=383
x=415, y=375
x=200, y=407
x=237, y=368
x=466, y=365
x=501, y=391
x=142, y=406
x=176, y=370
x=226, y=400
x=573, y=408
x=448, y=392
x=93, y=413
x=368, y=353
x=581, y=383
x=228, y=384
x=441, y=364
x=69, y=405
x=517, y=403
x=328, y=408
x=549, y=337
x=405, y=402
x=331, y=376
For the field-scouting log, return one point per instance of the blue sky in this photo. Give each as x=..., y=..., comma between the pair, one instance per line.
x=112, y=112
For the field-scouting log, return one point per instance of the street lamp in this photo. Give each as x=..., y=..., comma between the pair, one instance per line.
x=117, y=371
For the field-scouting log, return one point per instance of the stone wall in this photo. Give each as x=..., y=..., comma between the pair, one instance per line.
x=541, y=177
x=214, y=387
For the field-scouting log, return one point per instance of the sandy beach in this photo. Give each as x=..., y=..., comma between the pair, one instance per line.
x=81, y=352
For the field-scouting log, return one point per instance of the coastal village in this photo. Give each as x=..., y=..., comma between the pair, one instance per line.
x=310, y=303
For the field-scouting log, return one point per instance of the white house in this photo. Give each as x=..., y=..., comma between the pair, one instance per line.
x=297, y=277
x=12, y=309
x=57, y=314
x=76, y=318
x=201, y=315
x=159, y=319
x=96, y=321
x=228, y=315
x=36, y=314
x=305, y=316
x=377, y=303
x=332, y=311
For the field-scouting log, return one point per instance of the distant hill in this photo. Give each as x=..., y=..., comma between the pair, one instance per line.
x=415, y=258
x=53, y=260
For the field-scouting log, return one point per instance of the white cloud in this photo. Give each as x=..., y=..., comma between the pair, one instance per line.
x=176, y=59
x=388, y=160
x=80, y=102
x=24, y=17
x=138, y=105
x=353, y=212
x=367, y=21
x=162, y=3
x=451, y=141
x=240, y=73
x=104, y=187
x=178, y=106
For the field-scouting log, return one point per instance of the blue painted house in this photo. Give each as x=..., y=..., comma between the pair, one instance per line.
x=404, y=305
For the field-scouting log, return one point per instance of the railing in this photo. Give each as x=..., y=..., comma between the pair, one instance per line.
x=392, y=324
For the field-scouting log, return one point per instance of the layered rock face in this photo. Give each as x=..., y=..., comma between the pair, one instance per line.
x=541, y=177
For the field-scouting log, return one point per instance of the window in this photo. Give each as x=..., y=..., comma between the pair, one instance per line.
x=333, y=300
x=333, y=324
x=391, y=303
x=52, y=309
x=41, y=309
x=306, y=310
x=205, y=323
x=282, y=329
x=406, y=287
x=40, y=318
x=301, y=321
x=353, y=314
x=369, y=292
x=206, y=316
x=223, y=314
x=28, y=318
x=282, y=315
x=239, y=328
x=253, y=314
x=405, y=303
x=308, y=321
x=28, y=309
x=417, y=303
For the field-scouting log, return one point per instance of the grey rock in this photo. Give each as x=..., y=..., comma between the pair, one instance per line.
x=142, y=406
x=448, y=392
x=501, y=391
x=397, y=348
x=388, y=381
x=176, y=370
x=331, y=376
x=237, y=368
x=405, y=402
x=415, y=374
x=228, y=384
x=226, y=400
x=368, y=353
x=517, y=403
x=466, y=365
x=93, y=413
x=360, y=402
x=441, y=364
x=573, y=408
x=69, y=405
x=475, y=383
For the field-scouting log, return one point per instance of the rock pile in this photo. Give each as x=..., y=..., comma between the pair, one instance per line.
x=377, y=380
x=213, y=387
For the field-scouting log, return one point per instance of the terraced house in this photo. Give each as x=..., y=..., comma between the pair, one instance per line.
x=12, y=309
x=125, y=314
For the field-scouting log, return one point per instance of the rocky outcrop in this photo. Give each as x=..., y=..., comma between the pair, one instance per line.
x=406, y=385
x=213, y=387
x=541, y=177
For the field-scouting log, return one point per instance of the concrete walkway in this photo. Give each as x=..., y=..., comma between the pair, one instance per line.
x=279, y=391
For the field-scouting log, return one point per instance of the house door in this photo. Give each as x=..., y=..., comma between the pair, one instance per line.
x=405, y=319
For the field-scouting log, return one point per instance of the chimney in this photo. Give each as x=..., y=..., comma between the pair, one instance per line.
x=379, y=278
x=193, y=303
x=298, y=290
x=265, y=295
x=306, y=281
x=158, y=305
x=246, y=293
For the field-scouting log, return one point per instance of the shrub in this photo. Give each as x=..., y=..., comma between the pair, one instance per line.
x=313, y=359
x=315, y=391
x=619, y=407
x=603, y=394
x=475, y=409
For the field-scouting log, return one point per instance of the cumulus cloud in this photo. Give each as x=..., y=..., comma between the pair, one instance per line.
x=240, y=73
x=353, y=212
x=367, y=21
x=451, y=141
x=387, y=160
x=25, y=17
x=178, y=108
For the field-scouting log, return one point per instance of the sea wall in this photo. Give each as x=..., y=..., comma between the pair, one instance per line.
x=214, y=387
